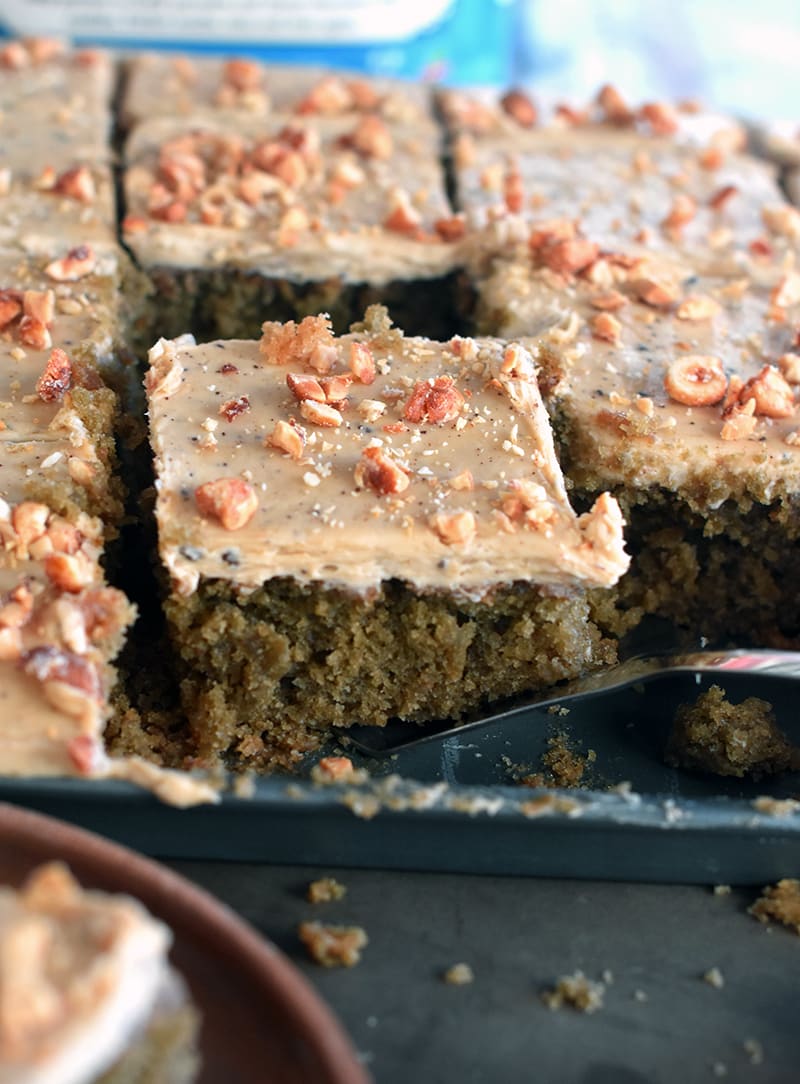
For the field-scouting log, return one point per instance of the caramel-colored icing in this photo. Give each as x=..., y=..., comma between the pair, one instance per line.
x=316, y=523
x=623, y=426
x=344, y=228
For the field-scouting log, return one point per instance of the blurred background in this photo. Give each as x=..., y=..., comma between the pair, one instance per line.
x=736, y=54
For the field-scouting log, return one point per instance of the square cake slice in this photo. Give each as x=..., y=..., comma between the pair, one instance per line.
x=235, y=222
x=363, y=528
x=678, y=392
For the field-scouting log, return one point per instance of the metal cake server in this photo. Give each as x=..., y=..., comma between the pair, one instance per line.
x=639, y=669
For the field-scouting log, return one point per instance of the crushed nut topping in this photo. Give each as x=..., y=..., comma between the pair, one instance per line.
x=362, y=363
x=606, y=327
x=288, y=437
x=321, y=414
x=77, y=263
x=379, y=472
x=771, y=393
x=614, y=106
x=454, y=529
x=56, y=379
x=436, y=400
x=234, y=407
x=696, y=380
x=520, y=107
x=698, y=307
x=230, y=501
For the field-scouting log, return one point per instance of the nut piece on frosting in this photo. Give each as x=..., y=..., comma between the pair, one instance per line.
x=230, y=501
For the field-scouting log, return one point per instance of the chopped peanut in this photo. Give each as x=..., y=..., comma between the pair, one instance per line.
x=614, y=105
x=78, y=262
x=288, y=437
x=454, y=528
x=782, y=219
x=662, y=118
x=570, y=255
x=451, y=229
x=772, y=394
x=336, y=388
x=362, y=363
x=403, y=217
x=234, y=407
x=300, y=344
x=606, y=327
x=40, y=305
x=371, y=138
x=696, y=380
x=34, y=333
x=610, y=301
x=698, y=307
x=335, y=769
x=520, y=107
x=437, y=401
x=381, y=473
x=740, y=422
x=77, y=184
x=230, y=501
x=789, y=365
x=305, y=387
x=659, y=295
x=683, y=210
x=242, y=74
x=56, y=379
x=321, y=414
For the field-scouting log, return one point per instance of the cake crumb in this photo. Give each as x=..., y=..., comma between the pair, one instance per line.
x=459, y=975
x=754, y=1051
x=575, y=991
x=244, y=785
x=714, y=977
x=719, y=1069
x=563, y=765
x=332, y=770
x=722, y=890
x=333, y=946
x=640, y=995
x=558, y=709
x=326, y=890
x=780, y=903
x=776, y=807
x=715, y=736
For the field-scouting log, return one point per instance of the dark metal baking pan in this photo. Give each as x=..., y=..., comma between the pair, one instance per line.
x=453, y=805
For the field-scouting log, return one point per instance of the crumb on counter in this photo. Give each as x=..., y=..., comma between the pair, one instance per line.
x=779, y=903
x=459, y=975
x=575, y=991
x=714, y=977
x=326, y=890
x=333, y=946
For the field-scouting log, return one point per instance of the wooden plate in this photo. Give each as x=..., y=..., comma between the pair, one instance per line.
x=262, y=1022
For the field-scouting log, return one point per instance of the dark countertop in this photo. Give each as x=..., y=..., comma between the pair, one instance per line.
x=519, y=935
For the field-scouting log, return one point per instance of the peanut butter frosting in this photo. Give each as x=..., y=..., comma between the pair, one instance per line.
x=308, y=200
x=350, y=461
x=161, y=84
x=82, y=973
x=664, y=377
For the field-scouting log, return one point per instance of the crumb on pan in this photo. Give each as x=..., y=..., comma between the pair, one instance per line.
x=332, y=946
x=575, y=991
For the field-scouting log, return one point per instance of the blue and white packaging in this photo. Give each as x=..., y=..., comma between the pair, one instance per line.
x=453, y=41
